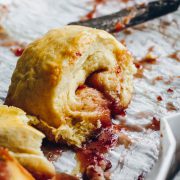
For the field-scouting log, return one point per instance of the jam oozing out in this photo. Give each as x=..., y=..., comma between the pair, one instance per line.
x=93, y=161
x=92, y=100
x=122, y=113
x=114, y=104
x=92, y=154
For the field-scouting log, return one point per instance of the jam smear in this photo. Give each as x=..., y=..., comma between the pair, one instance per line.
x=170, y=90
x=123, y=41
x=124, y=140
x=148, y=59
x=96, y=3
x=113, y=103
x=115, y=107
x=127, y=127
x=158, y=78
x=119, y=26
x=170, y=80
x=125, y=20
x=17, y=51
x=150, y=49
x=122, y=112
x=91, y=14
x=175, y=55
x=140, y=70
x=143, y=114
x=138, y=65
x=141, y=177
x=159, y=98
x=154, y=125
x=170, y=106
x=91, y=156
x=144, y=63
x=128, y=32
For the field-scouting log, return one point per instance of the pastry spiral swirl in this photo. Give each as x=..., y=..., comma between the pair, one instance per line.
x=73, y=79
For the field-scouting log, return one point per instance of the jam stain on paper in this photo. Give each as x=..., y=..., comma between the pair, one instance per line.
x=92, y=13
x=170, y=90
x=175, y=55
x=144, y=63
x=159, y=98
x=17, y=51
x=154, y=125
x=171, y=107
x=92, y=159
x=96, y=3
x=93, y=162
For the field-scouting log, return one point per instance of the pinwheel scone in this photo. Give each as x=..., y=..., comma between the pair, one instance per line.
x=23, y=141
x=73, y=80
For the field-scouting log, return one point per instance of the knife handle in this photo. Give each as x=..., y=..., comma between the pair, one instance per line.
x=131, y=16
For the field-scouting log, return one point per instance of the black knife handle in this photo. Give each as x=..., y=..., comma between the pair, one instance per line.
x=137, y=15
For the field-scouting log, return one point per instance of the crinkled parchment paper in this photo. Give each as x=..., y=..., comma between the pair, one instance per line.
x=25, y=20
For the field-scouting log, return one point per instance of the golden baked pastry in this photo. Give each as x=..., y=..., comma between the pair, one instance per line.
x=73, y=79
x=10, y=169
x=23, y=141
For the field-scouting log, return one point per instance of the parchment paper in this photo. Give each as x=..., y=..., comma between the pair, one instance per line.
x=25, y=20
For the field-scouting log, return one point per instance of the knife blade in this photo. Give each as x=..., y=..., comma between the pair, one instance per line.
x=131, y=16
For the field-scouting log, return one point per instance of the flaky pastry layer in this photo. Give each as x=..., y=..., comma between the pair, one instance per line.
x=23, y=141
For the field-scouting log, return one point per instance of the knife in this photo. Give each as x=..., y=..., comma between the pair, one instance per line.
x=131, y=16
